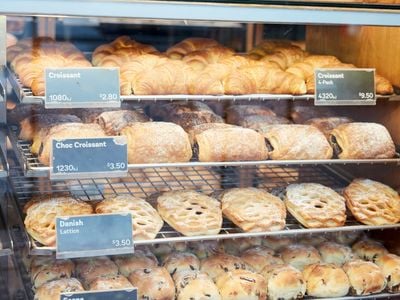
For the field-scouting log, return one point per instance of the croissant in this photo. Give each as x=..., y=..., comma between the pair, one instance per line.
x=285, y=57
x=209, y=81
x=199, y=59
x=267, y=47
x=306, y=68
x=382, y=85
x=189, y=45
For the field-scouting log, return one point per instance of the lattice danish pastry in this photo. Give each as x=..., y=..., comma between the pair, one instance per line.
x=372, y=202
x=315, y=205
x=190, y=213
x=145, y=219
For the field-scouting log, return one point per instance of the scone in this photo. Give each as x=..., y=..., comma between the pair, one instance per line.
x=362, y=141
x=259, y=257
x=221, y=263
x=337, y=254
x=368, y=249
x=88, y=269
x=129, y=263
x=153, y=284
x=146, y=222
x=241, y=285
x=300, y=256
x=110, y=283
x=284, y=282
x=312, y=240
x=180, y=261
x=365, y=277
x=326, y=280
x=276, y=243
x=204, y=249
x=237, y=246
x=53, y=289
x=190, y=213
x=294, y=142
x=390, y=267
x=40, y=220
x=195, y=285
x=253, y=210
x=346, y=237
x=52, y=270
x=315, y=205
x=372, y=202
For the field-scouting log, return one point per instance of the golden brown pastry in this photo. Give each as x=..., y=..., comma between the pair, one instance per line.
x=157, y=142
x=267, y=46
x=300, y=256
x=259, y=257
x=315, y=205
x=41, y=213
x=112, y=122
x=153, y=284
x=390, y=267
x=51, y=270
x=262, y=123
x=284, y=282
x=88, y=269
x=372, y=202
x=209, y=80
x=138, y=260
x=326, y=280
x=312, y=240
x=362, y=141
x=205, y=249
x=305, y=68
x=189, y=45
x=145, y=220
x=181, y=261
x=198, y=60
x=237, y=246
x=230, y=144
x=241, y=284
x=284, y=57
x=276, y=243
x=337, y=254
x=190, y=213
x=110, y=283
x=253, y=210
x=369, y=249
x=327, y=124
x=221, y=263
x=195, y=285
x=365, y=277
x=294, y=142
x=42, y=144
x=197, y=129
x=53, y=289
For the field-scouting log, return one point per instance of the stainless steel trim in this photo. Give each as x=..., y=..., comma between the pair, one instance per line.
x=307, y=14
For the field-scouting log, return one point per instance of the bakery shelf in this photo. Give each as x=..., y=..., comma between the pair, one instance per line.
x=149, y=182
x=26, y=96
x=6, y=245
x=239, y=11
x=33, y=168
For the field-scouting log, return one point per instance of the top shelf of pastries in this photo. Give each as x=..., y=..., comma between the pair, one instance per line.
x=357, y=12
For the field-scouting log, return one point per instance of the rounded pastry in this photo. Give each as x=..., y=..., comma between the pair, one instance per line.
x=312, y=240
x=110, y=283
x=265, y=212
x=129, y=263
x=88, y=269
x=195, y=285
x=241, y=284
x=40, y=220
x=221, y=263
x=315, y=205
x=300, y=256
x=365, y=277
x=276, y=243
x=259, y=257
x=146, y=222
x=368, y=249
x=161, y=250
x=205, y=249
x=190, y=213
x=372, y=202
x=284, y=282
x=237, y=246
x=390, y=267
x=51, y=270
x=53, y=289
x=346, y=237
x=179, y=261
x=326, y=280
x=153, y=284
x=336, y=254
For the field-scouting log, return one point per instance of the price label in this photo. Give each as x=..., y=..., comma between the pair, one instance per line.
x=126, y=294
x=82, y=87
x=89, y=157
x=94, y=235
x=345, y=87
